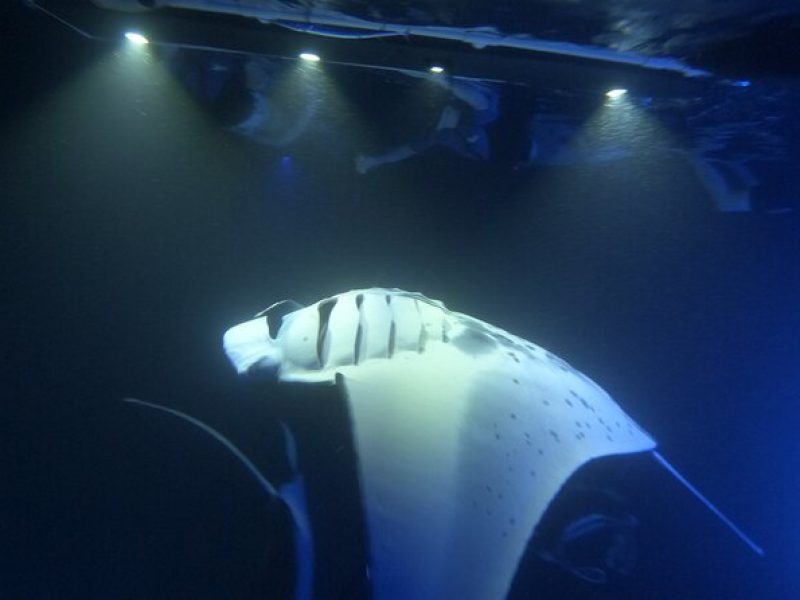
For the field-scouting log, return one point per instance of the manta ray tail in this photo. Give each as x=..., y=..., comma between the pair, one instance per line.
x=731, y=525
x=292, y=494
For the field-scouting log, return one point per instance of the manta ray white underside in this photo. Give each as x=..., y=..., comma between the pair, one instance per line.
x=464, y=432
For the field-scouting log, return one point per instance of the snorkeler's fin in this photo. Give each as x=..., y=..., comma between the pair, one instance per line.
x=292, y=494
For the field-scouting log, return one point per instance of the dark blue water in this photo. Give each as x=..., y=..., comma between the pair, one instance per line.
x=135, y=232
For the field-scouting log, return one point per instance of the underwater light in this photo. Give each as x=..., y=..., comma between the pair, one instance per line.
x=436, y=69
x=309, y=56
x=616, y=93
x=136, y=38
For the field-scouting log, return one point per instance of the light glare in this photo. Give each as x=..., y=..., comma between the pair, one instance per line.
x=436, y=69
x=310, y=57
x=618, y=93
x=136, y=38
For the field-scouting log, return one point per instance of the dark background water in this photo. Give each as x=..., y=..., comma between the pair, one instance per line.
x=135, y=232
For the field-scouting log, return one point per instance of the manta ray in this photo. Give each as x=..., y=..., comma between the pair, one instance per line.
x=464, y=433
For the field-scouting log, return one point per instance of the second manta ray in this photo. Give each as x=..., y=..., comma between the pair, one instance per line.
x=464, y=432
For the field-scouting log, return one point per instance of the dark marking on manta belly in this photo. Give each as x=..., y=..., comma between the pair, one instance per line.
x=358, y=344
x=325, y=307
x=423, y=338
x=392, y=338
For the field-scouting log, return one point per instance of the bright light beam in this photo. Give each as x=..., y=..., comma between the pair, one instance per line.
x=616, y=93
x=309, y=56
x=136, y=38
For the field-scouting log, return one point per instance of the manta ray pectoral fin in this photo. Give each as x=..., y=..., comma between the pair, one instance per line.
x=291, y=493
x=464, y=433
x=730, y=524
x=459, y=456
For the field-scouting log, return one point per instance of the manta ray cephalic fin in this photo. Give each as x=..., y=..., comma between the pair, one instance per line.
x=291, y=493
